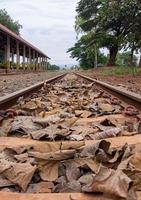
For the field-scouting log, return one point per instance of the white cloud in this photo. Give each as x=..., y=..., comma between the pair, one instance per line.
x=47, y=24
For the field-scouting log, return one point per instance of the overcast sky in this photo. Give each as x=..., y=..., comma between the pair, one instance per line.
x=47, y=24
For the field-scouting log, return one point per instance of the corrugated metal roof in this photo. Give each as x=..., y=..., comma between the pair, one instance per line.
x=19, y=38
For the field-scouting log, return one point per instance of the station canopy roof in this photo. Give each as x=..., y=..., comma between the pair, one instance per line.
x=20, y=39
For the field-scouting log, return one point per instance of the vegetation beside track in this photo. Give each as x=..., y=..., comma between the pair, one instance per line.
x=120, y=71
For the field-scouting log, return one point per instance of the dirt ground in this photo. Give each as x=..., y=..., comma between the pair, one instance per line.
x=128, y=82
x=12, y=83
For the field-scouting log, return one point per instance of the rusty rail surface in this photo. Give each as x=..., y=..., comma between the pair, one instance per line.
x=11, y=99
x=126, y=96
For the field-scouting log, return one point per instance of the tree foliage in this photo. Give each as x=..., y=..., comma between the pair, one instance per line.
x=53, y=67
x=114, y=24
x=7, y=21
x=85, y=52
x=123, y=59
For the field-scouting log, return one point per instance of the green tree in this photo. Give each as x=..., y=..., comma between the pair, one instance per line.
x=7, y=21
x=53, y=67
x=111, y=23
x=85, y=52
x=124, y=59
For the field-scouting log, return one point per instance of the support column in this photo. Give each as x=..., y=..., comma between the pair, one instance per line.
x=37, y=66
x=7, y=54
x=29, y=59
x=17, y=55
x=43, y=63
x=12, y=57
x=46, y=63
x=27, y=62
x=34, y=67
x=40, y=64
x=24, y=54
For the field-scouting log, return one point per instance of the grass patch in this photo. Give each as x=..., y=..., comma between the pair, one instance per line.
x=121, y=71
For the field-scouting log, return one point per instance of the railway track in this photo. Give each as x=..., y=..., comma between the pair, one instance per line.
x=62, y=138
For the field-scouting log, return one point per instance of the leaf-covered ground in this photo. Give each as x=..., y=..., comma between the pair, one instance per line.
x=67, y=116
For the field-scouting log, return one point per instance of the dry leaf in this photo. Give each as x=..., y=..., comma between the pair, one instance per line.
x=19, y=174
x=105, y=107
x=58, y=155
x=112, y=132
x=48, y=170
x=41, y=187
x=111, y=182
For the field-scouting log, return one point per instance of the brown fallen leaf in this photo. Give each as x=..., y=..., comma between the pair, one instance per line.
x=90, y=150
x=136, y=160
x=73, y=186
x=5, y=182
x=44, y=122
x=86, y=114
x=24, y=124
x=83, y=130
x=49, y=133
x=41, y=187
x=23, y=158
x=111, y=182
x=105, y=107
x=85, y=163
x=72, y=172
x=5, y=127
x=78, y=113
x=30, y=106
x=72, y=145
x=56, y=156
x=86, y=179
x=19, y=174
x=120, y=154
x=112, y=132
x=52, y=112
x=109, y=122
x=75, y=137
x=20, y=149
x=48, y=170
x=135, y=176
x=102, y=100
x=68, y=123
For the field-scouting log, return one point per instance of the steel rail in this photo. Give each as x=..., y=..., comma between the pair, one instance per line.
x=11, y=99
x=128, y=97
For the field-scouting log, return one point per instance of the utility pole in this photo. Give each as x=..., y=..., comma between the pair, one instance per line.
x=96, y=59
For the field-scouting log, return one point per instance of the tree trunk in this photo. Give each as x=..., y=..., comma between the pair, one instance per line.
x=95, y=66
x=140, y=61
x=113, y=53
x=130, y=63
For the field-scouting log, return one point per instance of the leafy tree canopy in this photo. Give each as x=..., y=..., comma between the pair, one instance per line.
x=7, y=21
x=114, y=24
x=85, y=52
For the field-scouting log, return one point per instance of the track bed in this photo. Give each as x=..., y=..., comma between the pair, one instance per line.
x=70, y=137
